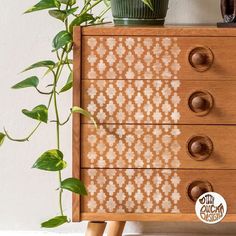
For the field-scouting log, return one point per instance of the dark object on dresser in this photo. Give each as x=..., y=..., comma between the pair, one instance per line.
x=228, y=9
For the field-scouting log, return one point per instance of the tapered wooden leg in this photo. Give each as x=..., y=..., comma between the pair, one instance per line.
x=95, y=228
x=116, y=228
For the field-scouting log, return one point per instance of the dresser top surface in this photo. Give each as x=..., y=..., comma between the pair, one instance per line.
x=167, y=30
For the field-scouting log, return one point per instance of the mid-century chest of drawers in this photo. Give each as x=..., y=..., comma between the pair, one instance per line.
x=164, y=100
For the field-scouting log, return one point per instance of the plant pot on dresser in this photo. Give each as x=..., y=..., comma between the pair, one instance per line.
x=164, y=101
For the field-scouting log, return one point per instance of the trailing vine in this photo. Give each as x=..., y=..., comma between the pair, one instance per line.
x=70, y=14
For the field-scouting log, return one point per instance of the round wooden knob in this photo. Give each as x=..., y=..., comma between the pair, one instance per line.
x=197, y=147
x=201, y=58
x=200, y=147
x=197, y=188
x=197, y=192
x=200, y=102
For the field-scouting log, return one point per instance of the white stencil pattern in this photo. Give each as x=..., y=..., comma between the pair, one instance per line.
x=132, y=80
x=132, y=191
x=131, y=146
x=128, y=101
x=131, y=58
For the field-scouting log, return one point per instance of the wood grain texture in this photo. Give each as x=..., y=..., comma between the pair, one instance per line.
x=95, y=229
x=165, y=102
x=76, y=119
x=150, y=217
x=139, y=81
x=169, y=195
x=156, y=57
x=116, y=228
x=155, y=146
x=168, y=30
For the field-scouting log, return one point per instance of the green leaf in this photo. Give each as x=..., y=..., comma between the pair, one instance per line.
x=149, y=4
x=2, y=137
x=55, y=222
x=44, y=4
x=38, y=113
x=56, y=66
x=85, y=113
x=69, y=84
x=107, y=3
x=69, y=2
x=51, y=160
x=61, y=40
x=71, y=11
x=48, y=64
x=58, y=14
x=62, y=14
x=74, y=185
x=80, y=20
x=29, y=82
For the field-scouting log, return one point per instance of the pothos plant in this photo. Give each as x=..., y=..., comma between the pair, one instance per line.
x=70, y=14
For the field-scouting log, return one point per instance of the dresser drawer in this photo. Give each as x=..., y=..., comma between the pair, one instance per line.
x=153, y=191
x=160, y=102
x=158, y=146
x=185, y=58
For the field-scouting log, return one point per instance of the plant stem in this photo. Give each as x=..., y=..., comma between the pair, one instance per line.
x=33, y=131
x=91, y=7
x=56, y=78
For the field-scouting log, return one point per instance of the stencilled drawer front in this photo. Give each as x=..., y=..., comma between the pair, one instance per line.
x=153, y=191
x=185, y=58
x=160, y=102
x=158, y=146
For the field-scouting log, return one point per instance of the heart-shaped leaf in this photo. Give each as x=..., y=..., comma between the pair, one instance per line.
x=44, y=4
x=74, y=185
x=149, y=4
x=29, y=82
x=38, y=113
x=80, y=20
x=61, y=39
x=47, y=64
x=51, y=160
x=58, y=14
x=69, y=2
x=69, y=84
x=85, y=113
x=55, y=222
x=2, y=137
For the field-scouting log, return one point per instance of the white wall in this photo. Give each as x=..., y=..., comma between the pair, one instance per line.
x=28, y=196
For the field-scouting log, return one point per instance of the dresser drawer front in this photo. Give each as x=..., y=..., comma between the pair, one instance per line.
x=158, y=102
x=133, y=57
x=151, y=191
x=158, y=146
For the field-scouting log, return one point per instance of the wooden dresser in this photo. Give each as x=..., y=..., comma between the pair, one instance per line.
x=165, y=103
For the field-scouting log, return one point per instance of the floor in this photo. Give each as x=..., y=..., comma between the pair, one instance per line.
x=34, y=233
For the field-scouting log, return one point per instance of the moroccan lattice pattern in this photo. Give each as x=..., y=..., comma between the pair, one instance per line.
x=131, y=191
x=131, y=58
x=130, y=146
x=132, y=101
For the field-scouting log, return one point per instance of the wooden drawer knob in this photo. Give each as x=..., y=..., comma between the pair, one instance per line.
x=200, y=147
x=197, y=188
x=200, y=102
x=201, y=58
